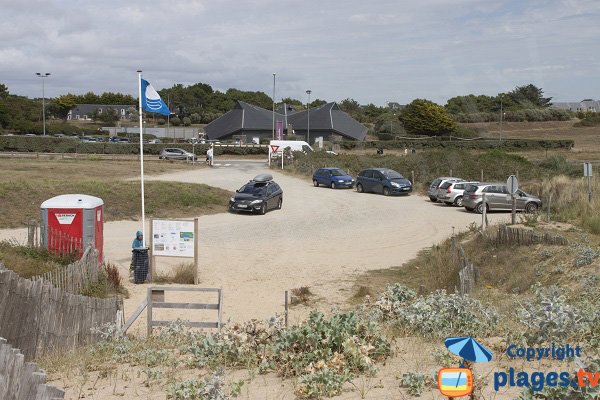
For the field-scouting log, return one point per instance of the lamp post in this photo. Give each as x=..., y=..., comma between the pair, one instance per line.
x=273, y=106
x=501, y=117
x=391, y=122
x=308, y=92
x=44, y=75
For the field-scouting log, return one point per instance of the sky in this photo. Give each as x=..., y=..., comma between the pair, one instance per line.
x=373, y=52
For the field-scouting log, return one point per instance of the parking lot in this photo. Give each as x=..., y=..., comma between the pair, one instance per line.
x=322, y=238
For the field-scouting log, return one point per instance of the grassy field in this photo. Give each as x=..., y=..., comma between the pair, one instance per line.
x=587, y=139
x=25, y=184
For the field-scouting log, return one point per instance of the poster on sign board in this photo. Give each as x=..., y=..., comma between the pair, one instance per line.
x=173, y=238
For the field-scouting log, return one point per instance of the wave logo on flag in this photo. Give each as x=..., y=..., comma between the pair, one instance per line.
x=151, y=100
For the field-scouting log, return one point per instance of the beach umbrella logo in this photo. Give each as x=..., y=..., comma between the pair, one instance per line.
x=456, y=382
x=468, y=348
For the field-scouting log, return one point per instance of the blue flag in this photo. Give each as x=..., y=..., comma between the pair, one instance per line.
x=151, y=100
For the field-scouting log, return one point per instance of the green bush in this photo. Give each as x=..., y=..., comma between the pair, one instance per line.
x=589, y=121
x=446, y=142
x=525, y=115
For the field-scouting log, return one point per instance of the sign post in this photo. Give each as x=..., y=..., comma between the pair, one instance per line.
x=175, y=238
x=513, y=185
x=587, y=171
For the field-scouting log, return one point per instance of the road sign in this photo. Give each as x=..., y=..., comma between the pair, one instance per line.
x=274, y=148
x=513, y=184
x=587, y=169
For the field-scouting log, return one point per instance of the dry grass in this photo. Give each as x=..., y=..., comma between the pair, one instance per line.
x=182, y=273
x=587, y=139
x=301, y=295
x=28, y=262
x=25, y=184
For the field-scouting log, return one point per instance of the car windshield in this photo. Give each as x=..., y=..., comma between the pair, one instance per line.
x=338, y=172
x=391, y=174
x=254, y=188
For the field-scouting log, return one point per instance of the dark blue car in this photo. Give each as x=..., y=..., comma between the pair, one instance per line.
x=332, y=177
x=382, y=180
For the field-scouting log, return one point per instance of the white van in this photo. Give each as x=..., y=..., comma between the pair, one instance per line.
x=294, y=145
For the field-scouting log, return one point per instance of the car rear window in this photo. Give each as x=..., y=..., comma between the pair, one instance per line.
x=435, y=182
x=445, y=185
x=471, y=188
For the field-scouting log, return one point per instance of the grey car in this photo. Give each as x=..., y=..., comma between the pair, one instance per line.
x=497, y=197
x=451, y=193
x=176, y=154
x=435, y=185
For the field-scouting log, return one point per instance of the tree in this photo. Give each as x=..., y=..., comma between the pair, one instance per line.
x=530, y=96
x=3, y=91
x=349, y=105
x=187, y=121
x=63, y=104
x=470, y=104
x=424, y=117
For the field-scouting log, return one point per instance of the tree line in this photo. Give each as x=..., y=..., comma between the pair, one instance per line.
x=200, y=103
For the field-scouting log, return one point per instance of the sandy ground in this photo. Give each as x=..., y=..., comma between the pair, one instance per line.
x=322, y=238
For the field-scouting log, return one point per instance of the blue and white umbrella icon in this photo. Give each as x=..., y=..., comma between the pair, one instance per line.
x=468, y=348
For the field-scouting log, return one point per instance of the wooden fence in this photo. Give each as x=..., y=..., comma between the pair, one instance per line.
x=39, y=318
x=20, y=380
x=525, y=237
x=468, y=273
x=76, y=276
x=62, y=244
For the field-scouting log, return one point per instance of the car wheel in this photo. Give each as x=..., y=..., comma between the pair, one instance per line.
x=279, y=203
x=315, y=183
x=359, y=188
x=479, y=208
x=531, y=208
x=434, y=199
x=386, y=191
x=458, y=201
x=332, y=185
x=263, y=209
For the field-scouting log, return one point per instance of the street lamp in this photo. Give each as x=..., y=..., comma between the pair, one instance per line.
x=44, y=75
x=308, y=92
x=273, y=106
x=501, y=117
x=391, y=126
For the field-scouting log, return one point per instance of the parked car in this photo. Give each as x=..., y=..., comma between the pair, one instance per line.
x=154, y=141
x=382, y=180
x=115, y=139
x=332, y=177
x=497, y=197
x=451, y=193
x=260, y=195
x=435, y=185
x=87, y=139
x=176, y=154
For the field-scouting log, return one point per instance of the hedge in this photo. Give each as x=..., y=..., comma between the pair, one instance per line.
x=30, y=144
x=480, y=144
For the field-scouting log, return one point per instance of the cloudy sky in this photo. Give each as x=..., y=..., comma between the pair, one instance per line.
x=378, y=51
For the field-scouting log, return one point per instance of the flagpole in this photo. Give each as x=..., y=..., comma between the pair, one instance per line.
x=142, y=157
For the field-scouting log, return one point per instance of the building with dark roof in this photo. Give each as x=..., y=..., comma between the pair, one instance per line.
x=86, y=111
x=256, y=122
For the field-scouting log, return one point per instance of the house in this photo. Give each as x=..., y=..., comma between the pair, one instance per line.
x=325, y=121
x=584, y=106
x=86, y=111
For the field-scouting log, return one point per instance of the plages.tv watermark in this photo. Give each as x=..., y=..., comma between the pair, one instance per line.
x=458, y=382
x=537, y=380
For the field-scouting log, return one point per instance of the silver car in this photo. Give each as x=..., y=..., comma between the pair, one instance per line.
x=176, y=154
x=451, y=193
x=435, y=185
x=497, y=197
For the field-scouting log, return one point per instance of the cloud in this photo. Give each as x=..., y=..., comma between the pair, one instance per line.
x=373, y=52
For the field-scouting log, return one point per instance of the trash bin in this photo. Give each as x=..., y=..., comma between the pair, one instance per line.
x=140, y=265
